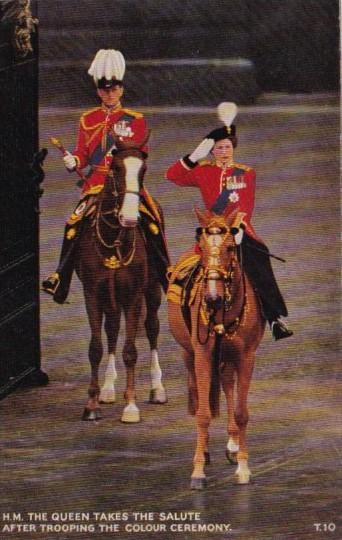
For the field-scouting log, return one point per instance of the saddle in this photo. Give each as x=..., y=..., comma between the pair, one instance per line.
x=85, y=207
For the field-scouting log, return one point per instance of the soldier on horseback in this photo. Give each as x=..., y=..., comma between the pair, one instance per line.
x=98, y=130
x=226, y=185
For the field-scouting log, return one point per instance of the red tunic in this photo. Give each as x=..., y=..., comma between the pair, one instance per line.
x=213, y=180
x=95, y=139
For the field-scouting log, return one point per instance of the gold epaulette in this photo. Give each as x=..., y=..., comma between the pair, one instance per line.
x=204, y=162
x=241, y=166
x=133, y=113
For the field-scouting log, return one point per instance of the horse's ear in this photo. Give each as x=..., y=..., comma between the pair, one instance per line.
x=202, y=216
x=230, y=216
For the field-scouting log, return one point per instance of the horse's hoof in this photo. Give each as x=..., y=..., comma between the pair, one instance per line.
x=91, y=415
x=198, y=483
x=231, y=457
x=242, y=480
x=131, y=414
x=207, y=458
x=158, y=396
x=107, y=395
x=242, y=473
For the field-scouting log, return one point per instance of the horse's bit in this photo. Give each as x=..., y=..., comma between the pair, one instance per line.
x=209, y=308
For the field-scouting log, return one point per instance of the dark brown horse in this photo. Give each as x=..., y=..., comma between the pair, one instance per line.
x=219, y=350
x=117, y=276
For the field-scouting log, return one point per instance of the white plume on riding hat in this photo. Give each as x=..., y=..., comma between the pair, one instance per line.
x=108, y=65
x=226, y=112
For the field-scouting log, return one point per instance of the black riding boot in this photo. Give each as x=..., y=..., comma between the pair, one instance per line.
x=58, y=283
x=259, y=270
x=156, y=249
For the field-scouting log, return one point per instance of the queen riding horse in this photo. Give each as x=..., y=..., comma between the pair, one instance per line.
x=219, y=325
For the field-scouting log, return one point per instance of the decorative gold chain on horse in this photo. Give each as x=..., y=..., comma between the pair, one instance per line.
x=116, y=261
x=208, y=319
x=98, y=218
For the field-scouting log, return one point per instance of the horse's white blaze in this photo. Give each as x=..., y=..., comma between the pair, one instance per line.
x=212, y=288
x=232, y=446
x=107, y=394
x=156, y=372
x=215, y=241
x=129, y=212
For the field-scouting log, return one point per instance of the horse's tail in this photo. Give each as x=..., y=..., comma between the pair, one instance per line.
x=214, y=395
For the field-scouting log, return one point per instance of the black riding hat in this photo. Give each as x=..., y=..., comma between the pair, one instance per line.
x=224, y=132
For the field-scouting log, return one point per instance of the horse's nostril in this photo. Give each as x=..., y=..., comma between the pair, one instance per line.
x=213, y=303
x=127, y=222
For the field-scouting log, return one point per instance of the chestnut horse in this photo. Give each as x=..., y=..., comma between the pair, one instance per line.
x=220, y=341
x=117, y=275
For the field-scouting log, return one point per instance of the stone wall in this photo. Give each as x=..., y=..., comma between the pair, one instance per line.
x=191, y=52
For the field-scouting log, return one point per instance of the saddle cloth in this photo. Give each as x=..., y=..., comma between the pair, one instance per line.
x=184, y=280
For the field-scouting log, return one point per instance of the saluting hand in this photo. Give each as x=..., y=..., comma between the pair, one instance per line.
x=202, y=150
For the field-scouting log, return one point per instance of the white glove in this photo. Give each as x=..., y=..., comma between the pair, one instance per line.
x=238, y=237
x=202, y=150
x=70, y=161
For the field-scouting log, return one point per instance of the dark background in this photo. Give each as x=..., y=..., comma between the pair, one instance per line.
x=191, y=52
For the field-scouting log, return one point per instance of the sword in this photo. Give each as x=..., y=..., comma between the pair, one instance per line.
x=59, y=145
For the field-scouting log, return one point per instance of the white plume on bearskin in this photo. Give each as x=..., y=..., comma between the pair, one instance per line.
x=108, y=63
x=226, y=112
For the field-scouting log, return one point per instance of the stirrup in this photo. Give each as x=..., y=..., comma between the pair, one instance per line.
x=51, y=284
x=279, y=330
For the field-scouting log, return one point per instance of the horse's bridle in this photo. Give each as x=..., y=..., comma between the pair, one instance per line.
x=209, y=308
x=116, y=260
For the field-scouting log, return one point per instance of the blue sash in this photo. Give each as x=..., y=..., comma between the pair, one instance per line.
x=221, y=202
x=99, y=153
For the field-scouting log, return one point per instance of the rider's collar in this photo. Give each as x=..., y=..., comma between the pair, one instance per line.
x=225, y=166
x=110, y=110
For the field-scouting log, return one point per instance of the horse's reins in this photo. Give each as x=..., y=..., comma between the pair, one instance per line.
x=99, y=217
x=214, y=328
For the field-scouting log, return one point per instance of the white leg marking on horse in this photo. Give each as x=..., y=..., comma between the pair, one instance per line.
x=156, y=372
x=242, y=473
x=131, y=414
x=158, y=392
x=107, y=394
x=232, y=446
